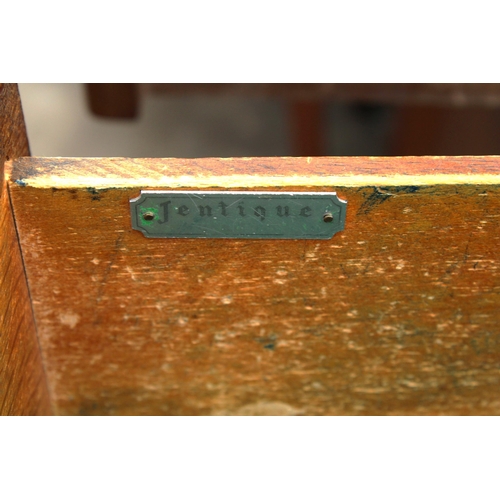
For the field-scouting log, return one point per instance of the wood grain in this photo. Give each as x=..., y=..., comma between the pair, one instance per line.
x=23, y=388
x=397, y=314
x=105, y=173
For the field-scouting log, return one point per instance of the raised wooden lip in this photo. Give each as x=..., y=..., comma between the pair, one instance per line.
x=254, y=172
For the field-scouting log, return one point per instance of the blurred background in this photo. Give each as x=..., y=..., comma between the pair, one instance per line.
x=224, y=120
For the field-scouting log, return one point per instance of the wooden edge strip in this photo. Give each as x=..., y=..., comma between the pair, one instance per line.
x=102, y=173
x=23, y=383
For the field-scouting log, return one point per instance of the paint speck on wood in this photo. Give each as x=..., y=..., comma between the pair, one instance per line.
x=69, y=319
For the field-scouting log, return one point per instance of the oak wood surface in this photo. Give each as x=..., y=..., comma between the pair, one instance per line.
x=397, y=314
x=23, y=388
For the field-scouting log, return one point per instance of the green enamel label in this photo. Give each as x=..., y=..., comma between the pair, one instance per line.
x=238, y=214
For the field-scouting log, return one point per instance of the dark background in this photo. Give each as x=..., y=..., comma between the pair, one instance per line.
x=223, y=120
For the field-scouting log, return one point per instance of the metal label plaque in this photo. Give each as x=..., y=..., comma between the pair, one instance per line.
x=238, y=214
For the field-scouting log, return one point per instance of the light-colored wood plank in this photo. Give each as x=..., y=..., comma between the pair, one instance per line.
x=23, y=388
x=397, y=314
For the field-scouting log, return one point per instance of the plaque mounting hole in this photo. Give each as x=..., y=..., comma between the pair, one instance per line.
x=148, y=216
x=328, y=217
